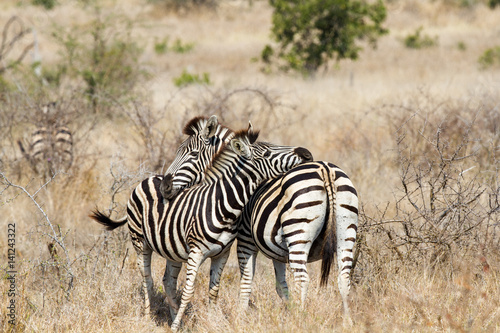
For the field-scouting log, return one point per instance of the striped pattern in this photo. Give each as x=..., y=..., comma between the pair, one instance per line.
x=50, y=150
x=205, y=138
x=308, y=214
x=200, y=222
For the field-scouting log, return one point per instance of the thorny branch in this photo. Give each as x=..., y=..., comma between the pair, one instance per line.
x=446, y=200
x=55, y=236
x=10, y=40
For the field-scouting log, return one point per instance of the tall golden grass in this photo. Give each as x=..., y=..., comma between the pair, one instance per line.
x=366, y=116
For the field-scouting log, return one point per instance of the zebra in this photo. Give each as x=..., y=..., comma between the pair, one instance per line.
x=303, y=216
x=200, y=222
x=308, y=214
x=206, y=137
x=50, y=147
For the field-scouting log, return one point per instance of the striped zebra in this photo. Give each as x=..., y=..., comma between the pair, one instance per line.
x=200, y=222
x=206, y=137
x=50, y=148
x=308, y=214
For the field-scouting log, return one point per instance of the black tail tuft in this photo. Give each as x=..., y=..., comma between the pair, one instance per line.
x=106, y=221
x=328, y=253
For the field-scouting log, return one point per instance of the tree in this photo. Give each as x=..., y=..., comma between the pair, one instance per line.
x=309, y=32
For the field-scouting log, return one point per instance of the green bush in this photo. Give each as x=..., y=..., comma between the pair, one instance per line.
x=103, y=55
x=490, y=57
x=310, y=32
x=187, y=5
x=418, y=41
x=47, y=4
x=180, y=47
x=162, y=46
x=493, y=3
x=186, y=79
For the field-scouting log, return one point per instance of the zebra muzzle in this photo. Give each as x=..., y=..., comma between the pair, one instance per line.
x=304, y=154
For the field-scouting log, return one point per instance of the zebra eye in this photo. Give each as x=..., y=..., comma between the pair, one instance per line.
x=194, y=153
x=267, y=153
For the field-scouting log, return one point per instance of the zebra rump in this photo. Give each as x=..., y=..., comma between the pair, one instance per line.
x=50, y=149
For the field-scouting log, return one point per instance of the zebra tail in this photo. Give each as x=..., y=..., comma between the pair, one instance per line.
x=106, y=221
x=329, y=243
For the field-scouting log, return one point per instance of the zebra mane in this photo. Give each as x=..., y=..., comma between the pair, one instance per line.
x=196, y=124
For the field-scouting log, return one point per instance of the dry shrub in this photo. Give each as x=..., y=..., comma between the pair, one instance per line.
x=441, y=233
x=269, y=111
x=12, y=50
x=158, y=131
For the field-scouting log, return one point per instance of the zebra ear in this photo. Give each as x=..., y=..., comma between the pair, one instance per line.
x=240, y=148
x=210, y=127
x=252, y=135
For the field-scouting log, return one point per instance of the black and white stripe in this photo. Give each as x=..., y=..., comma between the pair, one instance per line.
x=200, y=222
x=205, y=138
x=306, y=215
x=50, y=149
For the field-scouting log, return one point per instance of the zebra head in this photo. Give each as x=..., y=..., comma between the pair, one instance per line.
x=268, y=160
x=261, y=160
x=206, y=138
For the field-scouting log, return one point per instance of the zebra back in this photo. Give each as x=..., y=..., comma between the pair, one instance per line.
x=303, y=194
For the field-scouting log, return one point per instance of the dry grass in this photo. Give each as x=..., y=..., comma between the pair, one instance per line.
x=352, y=115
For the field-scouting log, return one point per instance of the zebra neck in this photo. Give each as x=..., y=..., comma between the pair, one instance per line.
x=222, y=167
x=234, y=178
x=222, y=136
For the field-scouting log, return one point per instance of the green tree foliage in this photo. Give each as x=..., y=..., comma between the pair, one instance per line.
x=47, y=4
x=309, y=32
x=493, y=3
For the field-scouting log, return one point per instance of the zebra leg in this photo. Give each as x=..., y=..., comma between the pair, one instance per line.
x=298, y=260
x=172, y=270
x=246, y=259
x=344, y=260
x=195, y=259
x=281, y=285
x=346, y=237
x=144, y=264
x=299, y=241
x=216, y=267
x=346, y=219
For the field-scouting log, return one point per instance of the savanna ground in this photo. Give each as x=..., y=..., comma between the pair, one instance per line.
x=417, y=130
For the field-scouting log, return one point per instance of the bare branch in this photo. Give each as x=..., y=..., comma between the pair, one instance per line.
x=55, y=236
